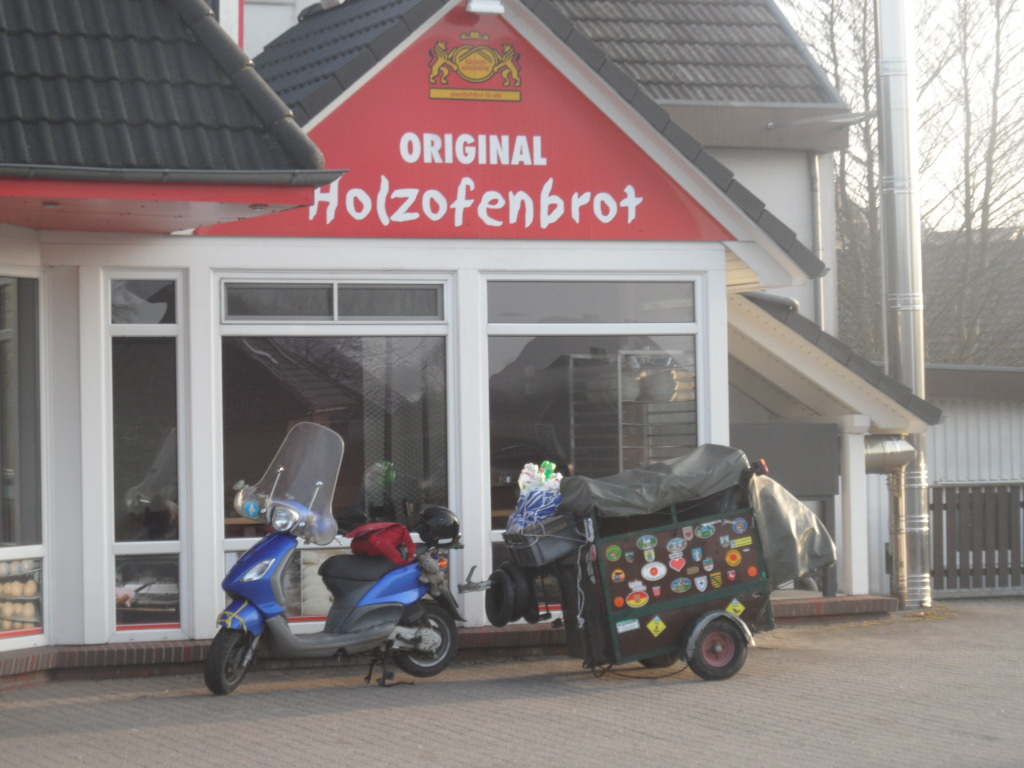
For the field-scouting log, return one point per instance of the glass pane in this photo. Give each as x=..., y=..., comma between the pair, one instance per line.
x=593, y=405
x=386, y=396
x=142, y=301
x=282, y=301
x=589, y=302
x=146, y=591
x=398, y=301
x=145, y=439
x=20, y=484
x=21, y=597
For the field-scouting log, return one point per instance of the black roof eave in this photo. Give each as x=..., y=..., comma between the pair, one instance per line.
x=786, y=311
x=284, y=177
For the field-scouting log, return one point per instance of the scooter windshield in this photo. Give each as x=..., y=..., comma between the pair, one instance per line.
x=302, y=476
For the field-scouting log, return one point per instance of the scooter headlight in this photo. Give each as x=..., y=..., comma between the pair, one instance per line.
x=258, y=571
x=284, y=518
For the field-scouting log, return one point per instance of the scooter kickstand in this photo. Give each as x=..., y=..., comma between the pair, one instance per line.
x=386, y=676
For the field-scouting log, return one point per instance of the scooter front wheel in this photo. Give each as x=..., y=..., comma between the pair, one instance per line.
x=430, y=663
x=225, y=665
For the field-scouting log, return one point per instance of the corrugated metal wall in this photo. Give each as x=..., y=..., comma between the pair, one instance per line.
x=978, y=441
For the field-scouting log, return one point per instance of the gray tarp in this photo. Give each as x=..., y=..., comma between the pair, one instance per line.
x=703, y=472
x=793, y=539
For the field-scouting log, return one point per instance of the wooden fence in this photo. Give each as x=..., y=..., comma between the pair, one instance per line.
x=977, y=533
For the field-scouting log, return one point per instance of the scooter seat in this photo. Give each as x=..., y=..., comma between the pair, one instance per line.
x=356, y=567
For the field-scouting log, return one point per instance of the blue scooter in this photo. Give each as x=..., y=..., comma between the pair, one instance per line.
x=386, y=610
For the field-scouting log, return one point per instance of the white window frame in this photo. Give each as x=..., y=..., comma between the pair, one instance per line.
x=37, y=551
x=696, y=329
x=179, y=547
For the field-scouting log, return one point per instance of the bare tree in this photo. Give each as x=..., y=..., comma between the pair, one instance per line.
x=970, y=76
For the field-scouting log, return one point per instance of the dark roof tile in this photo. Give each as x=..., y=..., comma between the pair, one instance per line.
x=136, y=84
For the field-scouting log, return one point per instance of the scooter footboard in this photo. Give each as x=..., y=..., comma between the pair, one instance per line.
x=241, y=614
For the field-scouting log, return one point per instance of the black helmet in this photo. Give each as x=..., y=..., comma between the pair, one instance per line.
x=437, y=526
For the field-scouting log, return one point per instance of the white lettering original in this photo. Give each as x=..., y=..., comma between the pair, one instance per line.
x=493, y=208
x=471, y=149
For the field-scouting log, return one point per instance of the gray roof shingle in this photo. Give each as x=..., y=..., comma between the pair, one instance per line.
x=704, y=51
x=118, y=85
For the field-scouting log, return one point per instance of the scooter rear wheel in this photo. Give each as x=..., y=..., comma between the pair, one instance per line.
x=430, y=663
x=224, y=670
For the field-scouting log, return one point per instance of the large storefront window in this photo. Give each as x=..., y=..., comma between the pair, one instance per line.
x=21, y=522
x=595, y=402
x=144, y=375
x=384, y=395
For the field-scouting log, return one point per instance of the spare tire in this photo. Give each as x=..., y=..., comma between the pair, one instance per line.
x=499, y=599
x=521, y=591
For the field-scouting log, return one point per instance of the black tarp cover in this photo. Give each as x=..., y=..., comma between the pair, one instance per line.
x=794, y=540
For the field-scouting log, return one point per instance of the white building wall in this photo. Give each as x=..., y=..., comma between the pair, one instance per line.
x=797, y=188
x=264, y=20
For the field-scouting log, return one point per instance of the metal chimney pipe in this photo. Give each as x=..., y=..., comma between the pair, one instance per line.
x=901, y=255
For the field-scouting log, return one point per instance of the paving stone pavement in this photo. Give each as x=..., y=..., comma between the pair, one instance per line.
x=942, y=687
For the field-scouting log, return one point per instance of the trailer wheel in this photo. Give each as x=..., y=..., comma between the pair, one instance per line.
x=523, y=597
x=720, y=651
x=499, y=599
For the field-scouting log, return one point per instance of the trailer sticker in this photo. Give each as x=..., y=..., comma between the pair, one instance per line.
x=735, y=607
x=730, y=575
x=677, y=544
x=688, y=533
x=698, y=553
x=744, y=542
x=739, y=526
x=656, y=626
x=701, y=583
x=654, y=571
x=716, y=579
x=613, y=553
x=618, y=575
x=709, y=564
x=637, y=599
x=733, y=557
x=619, y=602
x=752, y=572
x=649, y=555
x=630, y=556
x=647, y=542
x=705, y=530
x=681, y=585
x=677, y=563
x=627, y=625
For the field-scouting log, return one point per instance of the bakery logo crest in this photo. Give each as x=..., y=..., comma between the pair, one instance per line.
x=476, y=64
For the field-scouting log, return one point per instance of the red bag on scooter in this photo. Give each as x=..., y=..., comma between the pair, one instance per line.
x=384, y=540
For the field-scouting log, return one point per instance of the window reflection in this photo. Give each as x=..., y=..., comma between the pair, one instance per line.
x=386, y=396
x=593, y=405
x=146, y=591
x=20, y=485
x=145, y=438
x=142, y=302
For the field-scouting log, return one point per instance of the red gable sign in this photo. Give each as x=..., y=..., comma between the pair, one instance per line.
x=471, y=133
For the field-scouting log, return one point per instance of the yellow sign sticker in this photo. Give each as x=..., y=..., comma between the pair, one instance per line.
x=736, y=607
x=656, y=626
